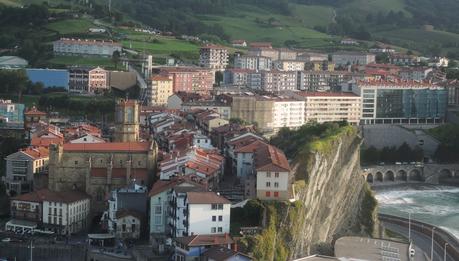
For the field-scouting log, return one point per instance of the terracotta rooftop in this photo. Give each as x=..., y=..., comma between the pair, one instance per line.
x=252, y=147
x=45, y=142
x=36, y=152
x=108, y=147
x=34, y=111
x=162, y=185
x=206, y=197
x=205, y=240
x=53, y=196
x=270, y=158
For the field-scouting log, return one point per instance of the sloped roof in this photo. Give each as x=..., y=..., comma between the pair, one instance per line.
x=270, y=158
x=205, y=240
x=207, y=197
x=53, y=196
x=109, y=146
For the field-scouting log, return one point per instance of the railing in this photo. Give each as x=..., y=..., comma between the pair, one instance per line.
x=440, y=236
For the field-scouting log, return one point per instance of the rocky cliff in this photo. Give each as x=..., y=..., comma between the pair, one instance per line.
x=333, y=200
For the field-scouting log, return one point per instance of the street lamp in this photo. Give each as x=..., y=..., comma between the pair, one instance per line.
x=444, y=253
x=432, y=247
x=409, y=227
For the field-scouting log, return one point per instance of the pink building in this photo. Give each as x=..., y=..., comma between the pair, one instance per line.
x=191, y=80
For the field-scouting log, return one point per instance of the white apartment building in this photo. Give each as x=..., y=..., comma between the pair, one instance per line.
x=21, y=167
x=208, y=213
x=287, y=113
x=98, y=80
x=68, y=46
x=331, y=106
x=351, y=58
x=214, y=57
x=65, y=212
x=289, y=65
x=276, y=81
x=252, y=62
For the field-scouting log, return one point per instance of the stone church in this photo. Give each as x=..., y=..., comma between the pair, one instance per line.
x=98, y=168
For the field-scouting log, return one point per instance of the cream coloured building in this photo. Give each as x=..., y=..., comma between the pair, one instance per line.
x=161, y=89
x=289, y=65
x=287, y=113
x=331, y=106
x=214, y=57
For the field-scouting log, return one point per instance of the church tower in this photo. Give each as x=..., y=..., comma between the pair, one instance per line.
x=127, y=121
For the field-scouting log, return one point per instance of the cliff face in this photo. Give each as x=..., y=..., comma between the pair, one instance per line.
x=333, y=200
x=332, y=196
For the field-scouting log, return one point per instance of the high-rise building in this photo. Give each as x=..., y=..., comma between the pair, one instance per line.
x=127, y=121
x=214, y=57
x=401, y=102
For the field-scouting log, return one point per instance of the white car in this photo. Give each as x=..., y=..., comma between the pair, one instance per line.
x=7, y=239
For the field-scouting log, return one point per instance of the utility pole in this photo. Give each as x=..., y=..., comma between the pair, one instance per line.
x=432, y=247
x=409, y=227
x=31, y=250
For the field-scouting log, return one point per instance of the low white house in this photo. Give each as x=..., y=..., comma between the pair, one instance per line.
x=208, y=213
x=65, y=212
x=129, y=224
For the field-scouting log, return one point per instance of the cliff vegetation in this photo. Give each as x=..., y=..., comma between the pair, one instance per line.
x=332, y=198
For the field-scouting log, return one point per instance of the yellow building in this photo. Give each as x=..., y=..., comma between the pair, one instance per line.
x=161, y=88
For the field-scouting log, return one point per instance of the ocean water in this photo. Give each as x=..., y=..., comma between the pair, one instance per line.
x=436, y=205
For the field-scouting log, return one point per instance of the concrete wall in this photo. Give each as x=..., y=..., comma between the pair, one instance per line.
x=200, y=219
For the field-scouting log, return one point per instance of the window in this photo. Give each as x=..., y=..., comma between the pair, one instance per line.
x=55, y=211
x=157, y=220
x=213, y=230
x=268, y=194
x=60, y=212
x=276, y=175
x=268, y=174
x=276, y=194
x=158, y=210
x=76, y=162
x=220, y=206
x=220, y=229
x=124, y=227
x=214, y=206
x=133, y=227
x=214, y=218
x=276, y=184
x=220, y=218
x=60, y=221
x=268, y=184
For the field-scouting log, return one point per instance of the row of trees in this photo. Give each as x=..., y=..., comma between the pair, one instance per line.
x=404, y=153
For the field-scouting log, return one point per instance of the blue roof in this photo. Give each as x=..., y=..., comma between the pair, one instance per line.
x=49, y=77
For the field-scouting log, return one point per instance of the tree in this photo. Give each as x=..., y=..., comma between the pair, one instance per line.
x=116, y=58
x=14, y=81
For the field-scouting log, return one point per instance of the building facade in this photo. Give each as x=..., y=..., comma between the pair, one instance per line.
x=127, y=121
x=351, y=58
x=21, y=168
x=79, y=80
x=161, y=88
x=402, y=102
x=66, y=46
x=214, y=57
x=98, y=80
x=331, y=106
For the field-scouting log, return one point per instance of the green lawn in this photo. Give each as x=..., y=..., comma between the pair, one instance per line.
x=375, y=5
x=70, y=26
x=250, y=23
x=312, y=15
x=82, y=61
x=420, y=39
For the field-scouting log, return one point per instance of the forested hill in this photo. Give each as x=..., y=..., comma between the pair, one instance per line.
x=306, y=23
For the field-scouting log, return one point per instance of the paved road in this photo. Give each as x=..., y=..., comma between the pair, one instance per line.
x=421, y=241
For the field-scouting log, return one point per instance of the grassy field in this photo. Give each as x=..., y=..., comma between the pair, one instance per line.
x=83, y=61
x=252, y=24
x=420, y=39
x=375, y=5
x=70, y=26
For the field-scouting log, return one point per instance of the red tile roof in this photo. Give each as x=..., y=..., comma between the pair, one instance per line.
x=53, y=196
x=270, y=158
x=36, y=152
x=217, y=253
x=108, y=147
x=162, y=185
x=34, y=112
x=252, y=147
x=45, y=142
x=207, y=197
